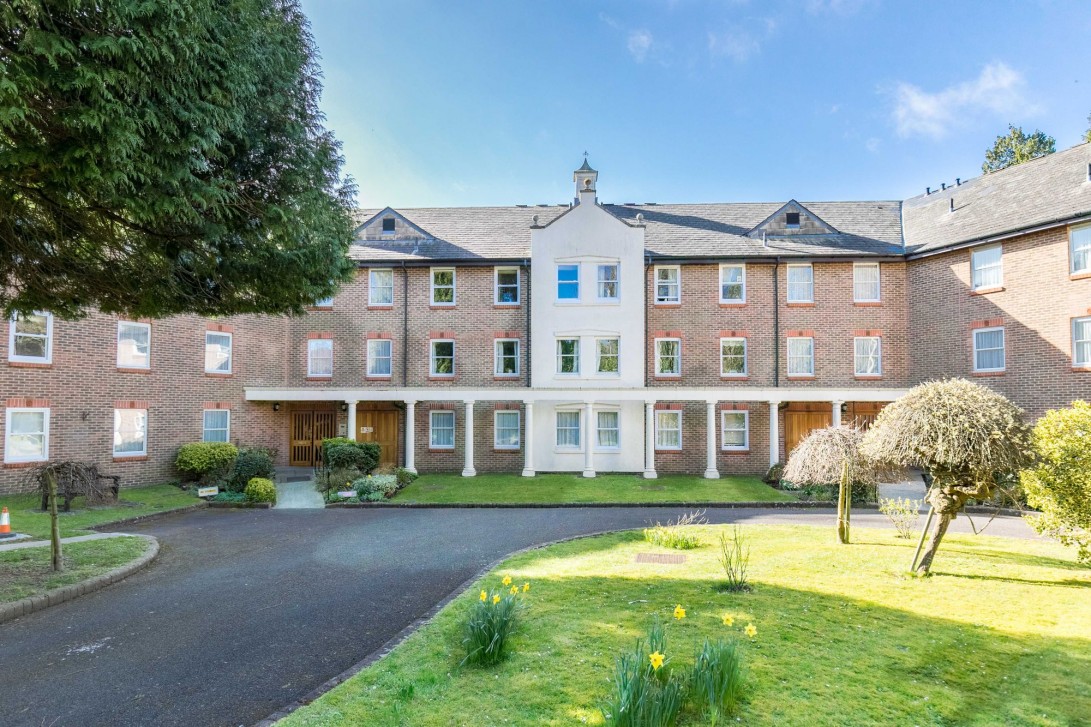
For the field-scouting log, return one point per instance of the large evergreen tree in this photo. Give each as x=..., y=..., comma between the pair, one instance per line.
x=1017, y=147
x=166, y=156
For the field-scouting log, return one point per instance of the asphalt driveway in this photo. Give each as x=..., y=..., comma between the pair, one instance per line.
x=246, y=611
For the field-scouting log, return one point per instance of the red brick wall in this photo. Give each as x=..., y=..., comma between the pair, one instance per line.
x=486, y=457
x=691, y=459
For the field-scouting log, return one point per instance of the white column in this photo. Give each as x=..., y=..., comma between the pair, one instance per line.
x=837, y=414
x=649, y=440
x=711, y=473
x=528, y=439
x=589, y=439
x=774, y=432
x=410, y=436
x=352, y=418
x=468, y=468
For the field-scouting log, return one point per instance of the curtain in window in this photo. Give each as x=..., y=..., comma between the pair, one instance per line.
x=568, y=429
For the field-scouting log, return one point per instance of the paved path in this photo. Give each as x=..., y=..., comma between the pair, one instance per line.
x=296, y=495
x=18, y=545
x=246, y=611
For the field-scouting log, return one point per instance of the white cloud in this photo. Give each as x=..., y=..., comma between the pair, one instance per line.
x=640, y=42
x=837, y=7
x=997, y=90
x=872, y=145
x=741, y=44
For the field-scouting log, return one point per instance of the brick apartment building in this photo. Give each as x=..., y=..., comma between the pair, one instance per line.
x=587, y=337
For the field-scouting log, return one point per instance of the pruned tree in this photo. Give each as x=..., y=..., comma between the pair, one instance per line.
x=1017, y=147
x=832, y=456
x=964, y=434
x=1087, y=134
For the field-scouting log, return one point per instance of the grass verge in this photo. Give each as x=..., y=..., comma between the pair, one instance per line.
x=999, y=635
x=572, y=488
x=26, y=572
x=134, y=502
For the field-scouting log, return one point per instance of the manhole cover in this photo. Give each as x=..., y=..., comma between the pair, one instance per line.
x=664, y=558
x=653, y=487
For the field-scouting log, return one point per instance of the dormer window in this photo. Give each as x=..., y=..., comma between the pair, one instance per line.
x=791, y=220
x=388, y=225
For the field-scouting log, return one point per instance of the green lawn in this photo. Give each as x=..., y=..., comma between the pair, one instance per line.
x=1001, y=634
x=134, y=502
x=562, y=488
x=26, y=572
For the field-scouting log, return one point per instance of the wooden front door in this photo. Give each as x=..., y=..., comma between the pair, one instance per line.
x=380, y=426
x=798, y=424
x=308, y=429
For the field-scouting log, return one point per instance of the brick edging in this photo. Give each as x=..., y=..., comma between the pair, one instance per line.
x=149, y=516
x=30, y=604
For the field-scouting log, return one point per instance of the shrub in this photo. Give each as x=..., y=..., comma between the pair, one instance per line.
x=903, y=512
x=774, y=475
x=207, y=461
x=251, y=462
x=673, y=534
x=1060, y=482
x=716, y=680
x=646, y=693
x=260, y=489
x=373, y=497
x=404, y=476
x=332, y=479
x=339, y=452
x=383, y=485
x=225, y=496
x=490, y=623
x=735, y=559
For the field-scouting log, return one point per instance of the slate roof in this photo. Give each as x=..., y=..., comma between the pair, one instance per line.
x=1048, y=189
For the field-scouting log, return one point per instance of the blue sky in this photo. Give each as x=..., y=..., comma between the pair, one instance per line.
x=493, y=103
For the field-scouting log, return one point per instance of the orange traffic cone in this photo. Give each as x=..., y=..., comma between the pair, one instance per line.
x=5, y=525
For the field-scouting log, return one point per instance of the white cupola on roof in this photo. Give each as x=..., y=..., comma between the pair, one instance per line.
x=585, y=178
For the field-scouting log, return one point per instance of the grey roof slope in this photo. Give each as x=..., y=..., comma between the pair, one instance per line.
x=672, y=230
x=1047, y=189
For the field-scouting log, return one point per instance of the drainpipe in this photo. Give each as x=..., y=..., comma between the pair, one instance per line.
x=648, y=268
x=405, y=325
x=776, y=322
x=526, y=267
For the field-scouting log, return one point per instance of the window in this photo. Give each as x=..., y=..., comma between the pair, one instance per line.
x=1080, y=240
x=735, y=430
x=507, y=286
x=216, y=426
x=217, y=352
x=133, y=345
x=389, y=225
x=30, y=338
x=27, y=435
x=987, y=264
x=791, y=220
x=668, y=357
x=130, y=432
x=568, y=356
x=732, y=357
x=324, y=302
x=506, y=429
x=443, y=286
x=1081, y=342
x=801, y=283
x=568, y=282
x=506, y=357
x=668, y=429
x=607, y=282
x=379, y=356
x=868, y=356
x=443, y=358
x=668, y=289
x=441, y=429
x=607, y=430
x=608, y=351
x=380, y=287
x=865, y=282
x=989, y=349
x=320, y=357
x=732, y=283
x=801, y=357
x=568, y=430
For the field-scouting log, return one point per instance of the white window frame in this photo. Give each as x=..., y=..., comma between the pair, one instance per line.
x=48, y=358
x=382, y=226
x=857, y=356
x=324, y=303
x=578, y=447
x=745, y=357
x=1076, y=361
x=453, y=287
x=724, y=446
x=598, y=356
x=659, y=414
x=313, y=344
x=1073, y=231
x=856, y=283
x=373, y=356
x=496, y=285
x=599, y=447
x=230, y=352
x=741, y=299
x=678, y=359
x=144, y=443
x=576, y=356
x=677, y=284
x=372, y=287
x=599, y=282
x=148, y=359
x=432, y=429
x=496, y=429
x=8, y=417
x=788, y=355
x=559, y=283
x=1003, y=349
x=789, y=283
x=974, y=267
x=497, y=358
x=205, y=429
x=432, y=358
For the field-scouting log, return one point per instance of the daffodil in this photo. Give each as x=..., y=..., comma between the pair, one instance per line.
x=514, y=590
x=506, y=581
x=484, y=595
x=751, y=630
x=656, y=660
x=728, y=619
x=496, y=598
x=679, y=612
x=526, y=587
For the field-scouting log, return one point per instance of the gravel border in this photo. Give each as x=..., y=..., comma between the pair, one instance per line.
x=30, y=604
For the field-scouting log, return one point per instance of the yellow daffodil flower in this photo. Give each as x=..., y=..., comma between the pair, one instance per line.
x=514, y=590
x=679, y=612
x=656, y=660
x=751, y=630
x=506, y=581
x=728, y=619
x=496, y=598
x=484, y=595
x=526, y=587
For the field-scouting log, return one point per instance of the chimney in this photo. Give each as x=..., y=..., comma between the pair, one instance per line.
x=951, y=205
x=958, y=181
x=942, y=186
x=927, y=191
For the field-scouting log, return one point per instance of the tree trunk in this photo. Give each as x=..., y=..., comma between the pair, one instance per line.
x=938, y=532
x=54, y=522
x=844, y=500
